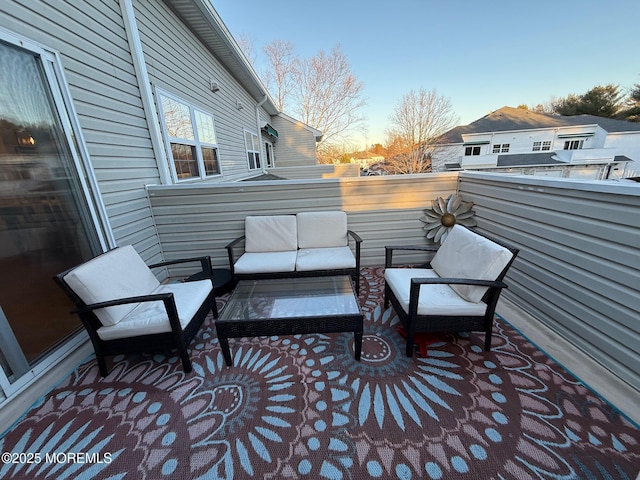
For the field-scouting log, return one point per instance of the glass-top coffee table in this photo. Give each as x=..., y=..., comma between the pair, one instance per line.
x=290, y=306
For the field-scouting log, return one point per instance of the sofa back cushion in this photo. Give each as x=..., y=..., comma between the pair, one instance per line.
x=465, y=254
x=270, y=233
x=322, y=229
x=118, y=273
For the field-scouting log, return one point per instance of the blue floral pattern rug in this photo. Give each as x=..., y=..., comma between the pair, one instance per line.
x=302, y=407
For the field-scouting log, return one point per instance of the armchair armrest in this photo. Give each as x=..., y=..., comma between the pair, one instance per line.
x=388, y=257
x=416, y=283
x=205, y=262
x=166, y=298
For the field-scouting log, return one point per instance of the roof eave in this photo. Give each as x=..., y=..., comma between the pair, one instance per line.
x=203, y=20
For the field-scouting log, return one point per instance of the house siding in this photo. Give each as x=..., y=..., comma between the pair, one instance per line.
x=578, y=270
x=296, y=145
x=94, y=51
x=178, y=63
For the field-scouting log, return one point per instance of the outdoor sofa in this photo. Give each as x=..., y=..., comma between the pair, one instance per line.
x=305, y=244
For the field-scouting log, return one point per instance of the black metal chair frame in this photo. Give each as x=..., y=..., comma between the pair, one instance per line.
x=354, y=272
x=177, y=338
x=414, y=323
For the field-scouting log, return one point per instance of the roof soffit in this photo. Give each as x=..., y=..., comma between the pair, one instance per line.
x=202, y=19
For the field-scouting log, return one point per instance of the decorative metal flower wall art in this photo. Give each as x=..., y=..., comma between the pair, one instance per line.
x=444, y=214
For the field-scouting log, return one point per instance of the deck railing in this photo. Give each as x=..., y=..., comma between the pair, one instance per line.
x=579, y=267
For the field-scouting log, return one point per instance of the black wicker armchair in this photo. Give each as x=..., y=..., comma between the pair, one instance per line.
x=456, y=291
x=125, y=309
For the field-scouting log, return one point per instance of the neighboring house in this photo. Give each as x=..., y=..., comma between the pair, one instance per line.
x=297, y=141
x=99, y=99
x=514, y=140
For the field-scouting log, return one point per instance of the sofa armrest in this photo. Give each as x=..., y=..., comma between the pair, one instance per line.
x=358, y=241
x=230, y=246
x=166, y=298
x=355, y=236
x=388, y=257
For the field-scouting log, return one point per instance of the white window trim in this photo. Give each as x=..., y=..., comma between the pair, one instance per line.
x=195, y=143
x=256, y=150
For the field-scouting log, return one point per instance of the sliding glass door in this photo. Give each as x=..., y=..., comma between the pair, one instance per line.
x=47, y=219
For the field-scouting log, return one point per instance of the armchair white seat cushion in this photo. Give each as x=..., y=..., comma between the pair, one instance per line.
x=465, y=254
x=151, y=317
x=324, y=258
x=120, y=274
x=266, y=262
x=436, y=299
x=322, y=229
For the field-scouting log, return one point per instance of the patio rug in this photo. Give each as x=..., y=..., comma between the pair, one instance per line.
x=303, y=407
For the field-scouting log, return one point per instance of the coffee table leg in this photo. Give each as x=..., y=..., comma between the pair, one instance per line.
x=357, y=344
x=226, y=353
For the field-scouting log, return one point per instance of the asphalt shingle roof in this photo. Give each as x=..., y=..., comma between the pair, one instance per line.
x=509, y=118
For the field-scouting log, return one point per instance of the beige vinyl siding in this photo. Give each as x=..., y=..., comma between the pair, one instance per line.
x=296, y=145
x=94, y=51
x=578, y=271
x=201, y=219
x=179, y=64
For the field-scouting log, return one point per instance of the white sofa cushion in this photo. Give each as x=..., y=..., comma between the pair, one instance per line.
x=270, y=233
x=437, y=299
x=322, y=229
x=151, y=317
x=102, y=278
x=465, y=254
x=266, y=262
x=324, y=258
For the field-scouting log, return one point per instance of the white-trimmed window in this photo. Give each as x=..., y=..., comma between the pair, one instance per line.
x=471, y=151
x=271, y=159
x=252, y=144
x=538, y=146
x=190, y=137
x=501, y=148
x=573, y=144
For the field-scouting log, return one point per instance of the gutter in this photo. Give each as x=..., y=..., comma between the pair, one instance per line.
x=263, y=157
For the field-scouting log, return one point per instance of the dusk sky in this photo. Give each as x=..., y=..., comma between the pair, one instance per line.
x=480, y=55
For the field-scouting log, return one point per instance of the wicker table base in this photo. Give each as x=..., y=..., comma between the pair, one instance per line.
x=290, y=307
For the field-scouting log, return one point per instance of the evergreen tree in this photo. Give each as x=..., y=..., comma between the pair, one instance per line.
x=631, y=112
x=602, y=101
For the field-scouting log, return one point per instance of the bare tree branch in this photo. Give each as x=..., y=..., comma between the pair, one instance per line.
x=418, y=120
x=283, y=72
x=329, y=96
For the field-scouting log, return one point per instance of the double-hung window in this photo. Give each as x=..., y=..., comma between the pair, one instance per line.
x=252, y=145
x=190, y=137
